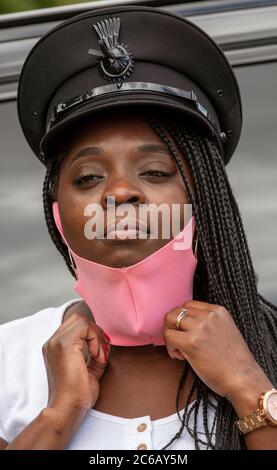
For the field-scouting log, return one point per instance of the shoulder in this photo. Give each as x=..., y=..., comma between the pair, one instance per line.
x=26, y=332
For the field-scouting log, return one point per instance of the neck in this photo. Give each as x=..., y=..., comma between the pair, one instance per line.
x=140, y=356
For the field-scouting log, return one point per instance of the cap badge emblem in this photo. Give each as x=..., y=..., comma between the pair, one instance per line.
x=116, y=62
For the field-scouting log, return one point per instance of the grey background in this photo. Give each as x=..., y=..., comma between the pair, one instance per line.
x=32, y=272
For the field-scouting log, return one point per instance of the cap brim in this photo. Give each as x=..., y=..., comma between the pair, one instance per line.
x=127, y=99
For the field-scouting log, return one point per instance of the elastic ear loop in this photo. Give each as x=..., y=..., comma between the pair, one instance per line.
x=73, y=265
x=196, y=245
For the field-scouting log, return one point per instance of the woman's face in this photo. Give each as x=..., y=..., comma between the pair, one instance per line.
x=127, y=160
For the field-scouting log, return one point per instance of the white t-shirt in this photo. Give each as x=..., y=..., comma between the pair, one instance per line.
x=24, y=393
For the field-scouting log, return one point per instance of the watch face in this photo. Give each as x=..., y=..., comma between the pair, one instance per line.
x=271, y=406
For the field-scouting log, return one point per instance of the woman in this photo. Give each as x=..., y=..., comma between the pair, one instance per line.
x=216, y=358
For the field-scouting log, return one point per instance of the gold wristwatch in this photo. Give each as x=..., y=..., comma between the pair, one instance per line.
x=265, y=415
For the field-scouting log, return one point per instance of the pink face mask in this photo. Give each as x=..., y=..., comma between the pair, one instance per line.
x=130, y=303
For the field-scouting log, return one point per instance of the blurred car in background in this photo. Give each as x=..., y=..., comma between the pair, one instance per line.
x=33, y=274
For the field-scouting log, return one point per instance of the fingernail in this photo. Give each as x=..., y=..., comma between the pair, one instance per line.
x=107, y=337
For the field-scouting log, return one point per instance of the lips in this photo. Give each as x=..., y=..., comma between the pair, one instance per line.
x=129, y=224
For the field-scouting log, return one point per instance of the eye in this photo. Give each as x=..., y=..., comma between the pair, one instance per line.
x=86, y=179
x=156, y=174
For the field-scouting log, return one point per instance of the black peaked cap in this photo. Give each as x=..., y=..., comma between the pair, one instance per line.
x=126, y=56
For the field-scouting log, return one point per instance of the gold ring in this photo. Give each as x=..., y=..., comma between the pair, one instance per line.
x=181, y=315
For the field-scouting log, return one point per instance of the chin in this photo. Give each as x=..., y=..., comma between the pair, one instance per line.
x=124, y=253
x=123, y=257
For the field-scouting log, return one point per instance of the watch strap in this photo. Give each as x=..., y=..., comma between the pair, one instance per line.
x=253, y=421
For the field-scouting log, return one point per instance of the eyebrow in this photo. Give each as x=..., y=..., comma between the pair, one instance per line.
x=98, y=150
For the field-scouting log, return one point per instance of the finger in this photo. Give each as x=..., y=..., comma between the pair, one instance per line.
x=69, y=321
x=104, y=336
x=76, y=332
x=97, y=350
x=176, y=354
x=107, y=339
x=100, y=357
x=179, y=340
x=103, y=349
x=185, y=324
x=73, y=318
x=199, y=305
x=196, y=313
x=82, y=332
x=92, y=336
x=96, y=369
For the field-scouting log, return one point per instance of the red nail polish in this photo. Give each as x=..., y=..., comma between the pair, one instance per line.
x=106, y=356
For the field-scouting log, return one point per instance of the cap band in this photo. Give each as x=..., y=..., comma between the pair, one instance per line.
x=189, y=97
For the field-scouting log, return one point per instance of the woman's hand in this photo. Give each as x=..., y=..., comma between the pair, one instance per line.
x=213, y=345
x=73, y=380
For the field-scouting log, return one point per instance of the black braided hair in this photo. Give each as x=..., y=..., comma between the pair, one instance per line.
x=50, y=186
x=224, y=273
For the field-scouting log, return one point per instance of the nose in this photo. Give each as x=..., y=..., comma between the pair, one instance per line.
x=123, y=191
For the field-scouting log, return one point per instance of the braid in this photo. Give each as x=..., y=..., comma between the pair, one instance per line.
x=52, y=170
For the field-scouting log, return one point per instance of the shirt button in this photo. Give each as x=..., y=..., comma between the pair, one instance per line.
x=142, y=427
x=142, y=446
